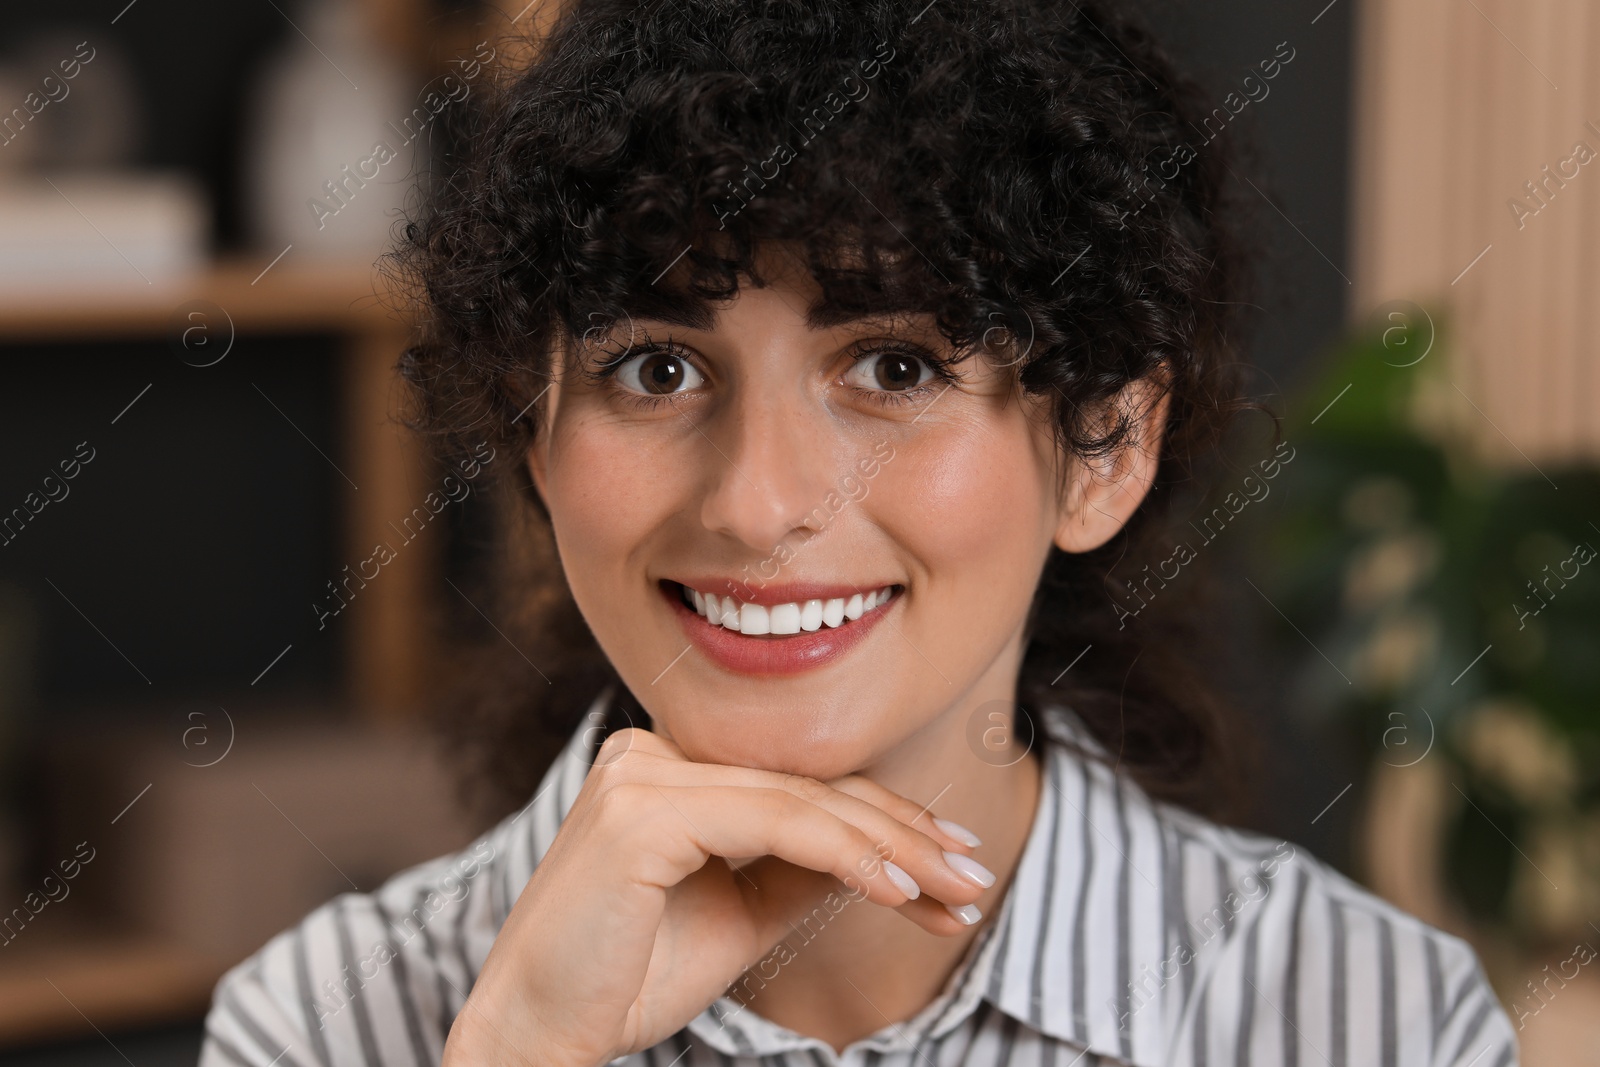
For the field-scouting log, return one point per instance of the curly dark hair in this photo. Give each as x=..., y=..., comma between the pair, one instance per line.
x=1022, y=170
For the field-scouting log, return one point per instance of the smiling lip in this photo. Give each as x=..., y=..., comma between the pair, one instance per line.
x=773, y=654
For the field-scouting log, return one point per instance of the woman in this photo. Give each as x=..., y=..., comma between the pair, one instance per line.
x=845, y=350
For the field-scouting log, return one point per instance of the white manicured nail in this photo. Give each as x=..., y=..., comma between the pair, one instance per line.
x=970, y=869
x=956, y=832
x=902, y=881
x=967, y=914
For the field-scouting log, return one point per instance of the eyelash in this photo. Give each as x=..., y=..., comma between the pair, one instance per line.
x=941, y=368
x=606, y=369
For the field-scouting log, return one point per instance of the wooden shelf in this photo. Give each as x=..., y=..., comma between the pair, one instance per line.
x=288, y=297
x=65, y=986
x=61, y=982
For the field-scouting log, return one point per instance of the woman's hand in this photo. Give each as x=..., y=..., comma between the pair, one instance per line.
x=625, y=932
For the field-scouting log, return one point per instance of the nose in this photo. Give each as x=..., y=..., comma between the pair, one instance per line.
x=771, y=466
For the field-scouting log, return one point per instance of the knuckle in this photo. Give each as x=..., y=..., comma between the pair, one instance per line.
x=805, y=787
x=616, y=746
x=622, y=805
x=869, y=859
x=785, y=806
x=789, y=814
x=608, y=776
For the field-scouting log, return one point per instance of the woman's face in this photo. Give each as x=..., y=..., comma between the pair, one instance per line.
x=801, y=470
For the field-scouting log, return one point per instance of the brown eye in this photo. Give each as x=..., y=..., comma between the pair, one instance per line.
x=658, y=374
x=889, y=372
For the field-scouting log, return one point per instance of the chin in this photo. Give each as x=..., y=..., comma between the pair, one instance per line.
x=819, y=739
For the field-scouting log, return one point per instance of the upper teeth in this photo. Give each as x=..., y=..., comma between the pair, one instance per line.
x=791, y=618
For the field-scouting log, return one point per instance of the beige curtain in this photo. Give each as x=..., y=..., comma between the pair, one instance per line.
x=1477, y=191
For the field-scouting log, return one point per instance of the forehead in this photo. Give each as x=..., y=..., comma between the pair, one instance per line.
x=848, y=299
x=818, y=316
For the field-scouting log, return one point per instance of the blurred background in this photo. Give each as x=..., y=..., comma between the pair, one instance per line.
x=207, y=727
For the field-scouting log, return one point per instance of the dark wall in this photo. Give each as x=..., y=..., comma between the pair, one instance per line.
x=1299, y=137
x=1296, y=142
x=184, y=555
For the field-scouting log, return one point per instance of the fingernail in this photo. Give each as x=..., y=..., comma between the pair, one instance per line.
x=967, y=914
x=956, y=831
x=902, y=881
x=970, y=869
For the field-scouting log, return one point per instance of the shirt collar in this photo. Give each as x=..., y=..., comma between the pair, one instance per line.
x=735, y=1030
x=1080, y=910
x=1085, y=906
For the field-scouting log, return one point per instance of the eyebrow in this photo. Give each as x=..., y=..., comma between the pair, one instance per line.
x=696, y=315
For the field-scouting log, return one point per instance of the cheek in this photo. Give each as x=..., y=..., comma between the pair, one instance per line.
x=603, y=497
x=971, y=495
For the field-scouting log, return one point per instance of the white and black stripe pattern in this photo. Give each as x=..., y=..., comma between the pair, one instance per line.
x=1132, y=933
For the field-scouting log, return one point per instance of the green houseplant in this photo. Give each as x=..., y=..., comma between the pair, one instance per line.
x=1448, y=608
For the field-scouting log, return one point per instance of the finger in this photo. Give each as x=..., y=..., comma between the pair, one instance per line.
x=949, y=875
x=621, y=743
x=786, y=900
x=951, y=835
x=955, y=837
x=687, y=824
x=945, y=920
x=946, y=875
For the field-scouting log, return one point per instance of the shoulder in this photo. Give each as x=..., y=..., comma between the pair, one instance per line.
x=366, y=977
x=1236, y=941
x=379, y=977
x=1288, y=950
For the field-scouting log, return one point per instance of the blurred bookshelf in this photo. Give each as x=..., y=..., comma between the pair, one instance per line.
x=120, y=981
x=201, y=871
x=388, y=648
x=93, y=967
x=323, y=806
x=290, y=296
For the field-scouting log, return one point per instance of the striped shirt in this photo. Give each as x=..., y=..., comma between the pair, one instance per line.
x=1133, y=932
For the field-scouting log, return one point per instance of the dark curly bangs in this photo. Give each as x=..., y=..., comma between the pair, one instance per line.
x=1030, y=173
